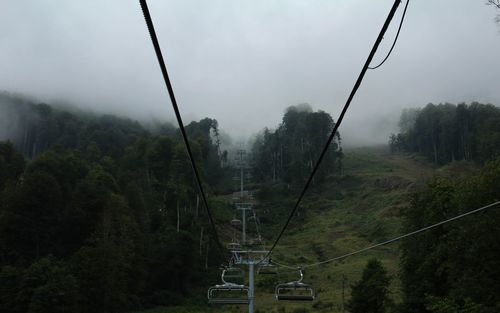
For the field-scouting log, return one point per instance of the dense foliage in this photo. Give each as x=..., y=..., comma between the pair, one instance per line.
x=290, y=152
x=455, y=267
x=448, y=132
x=104, y=216
x=101, y=214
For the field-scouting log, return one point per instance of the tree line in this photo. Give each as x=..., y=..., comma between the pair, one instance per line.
x=100, y=214
x=446, y=132
x=289, y=152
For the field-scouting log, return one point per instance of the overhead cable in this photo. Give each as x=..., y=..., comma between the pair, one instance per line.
x=395, y=39
x=339, y=121
x=154, y=39
x=391, y=240
x=283, y=265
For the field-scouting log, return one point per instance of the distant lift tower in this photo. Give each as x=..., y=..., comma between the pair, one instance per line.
x=243, y=200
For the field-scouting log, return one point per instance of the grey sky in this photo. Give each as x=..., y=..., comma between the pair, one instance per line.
x=244, y=62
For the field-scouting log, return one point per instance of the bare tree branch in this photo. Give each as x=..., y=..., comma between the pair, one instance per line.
x=494, y=3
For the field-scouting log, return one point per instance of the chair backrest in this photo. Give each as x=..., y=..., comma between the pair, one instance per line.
x=294, y=298
x=234, y=272
x=294, y=290
x=233, y=246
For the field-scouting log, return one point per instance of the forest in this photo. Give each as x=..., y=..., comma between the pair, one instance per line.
x=453, y=268
x=101, y=213
x=446, y=132
x=289, y=152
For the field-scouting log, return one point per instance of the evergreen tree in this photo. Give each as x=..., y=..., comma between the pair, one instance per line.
x=371, y=293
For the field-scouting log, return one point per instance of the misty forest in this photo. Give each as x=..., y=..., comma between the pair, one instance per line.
x=260, y=192
x=101, y=213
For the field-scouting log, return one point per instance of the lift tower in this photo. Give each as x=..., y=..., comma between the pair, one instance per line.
x=242, y=254
x=243, y=200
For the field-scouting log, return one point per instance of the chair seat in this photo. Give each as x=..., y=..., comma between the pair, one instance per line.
x=294, y=298
x=228, y=301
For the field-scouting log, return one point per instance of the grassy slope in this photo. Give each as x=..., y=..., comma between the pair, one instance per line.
x=362, y=209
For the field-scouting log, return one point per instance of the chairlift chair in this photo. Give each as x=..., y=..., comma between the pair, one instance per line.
x=294, y=290
x=233, y=246
x=254, y=242
x=215, y=297
x=235, y=222
x=234, y=272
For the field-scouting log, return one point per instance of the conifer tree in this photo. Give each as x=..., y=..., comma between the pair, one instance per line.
x=371, y=293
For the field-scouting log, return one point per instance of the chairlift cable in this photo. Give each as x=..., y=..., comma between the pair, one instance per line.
x=395, y=39
x=393, y=239
x=154, y=39
x=284, y=265
x=339, y=121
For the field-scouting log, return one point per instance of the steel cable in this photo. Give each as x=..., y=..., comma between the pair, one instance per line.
x=154, y=39
x=395, y=39
x=339, y=121
x=390, y=240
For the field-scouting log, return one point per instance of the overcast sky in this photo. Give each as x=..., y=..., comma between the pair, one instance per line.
x=244, y=62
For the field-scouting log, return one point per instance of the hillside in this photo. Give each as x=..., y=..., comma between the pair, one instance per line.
x=364, y=207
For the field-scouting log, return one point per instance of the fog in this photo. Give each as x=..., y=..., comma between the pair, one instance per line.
x=244, y=62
